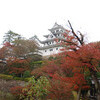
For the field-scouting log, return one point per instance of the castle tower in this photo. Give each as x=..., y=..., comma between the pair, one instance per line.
x=50, y=46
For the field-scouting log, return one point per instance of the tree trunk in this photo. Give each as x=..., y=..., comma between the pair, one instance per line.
x=97, y=86
x=79, y=93
x=96, y=82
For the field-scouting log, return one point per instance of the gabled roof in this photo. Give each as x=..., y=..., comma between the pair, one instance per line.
x=55, y=25
x=46, y=36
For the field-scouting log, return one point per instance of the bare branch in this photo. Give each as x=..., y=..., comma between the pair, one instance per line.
x=75, y=33
x=82, y=37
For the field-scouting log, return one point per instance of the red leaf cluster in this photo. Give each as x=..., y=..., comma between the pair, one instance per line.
x=17, y=66
x=17, y=90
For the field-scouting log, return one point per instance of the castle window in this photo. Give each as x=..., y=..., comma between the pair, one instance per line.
x=51, y=36
x=51, y=49
x=56, y=48
x=57, y=30
x=61, y=30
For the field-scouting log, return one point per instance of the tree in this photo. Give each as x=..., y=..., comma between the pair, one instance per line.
x=65, y=70
x=2, y=52
x=85, y=56
x=59, y=90
x=17, y=67
x=25, y=48
x=10, y=36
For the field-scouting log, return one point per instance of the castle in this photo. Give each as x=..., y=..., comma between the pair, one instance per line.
x=50, y=46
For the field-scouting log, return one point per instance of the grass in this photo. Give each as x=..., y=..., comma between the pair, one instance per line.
x=6, y=96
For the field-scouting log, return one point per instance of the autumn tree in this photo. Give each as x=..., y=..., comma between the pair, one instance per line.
x=87, y=56
x=60, y=71
x=2, y=52
x=2, y=59
x=25, y=48
x=84, y=56
x=18, y=46
x=17, y=67
x=9, y=38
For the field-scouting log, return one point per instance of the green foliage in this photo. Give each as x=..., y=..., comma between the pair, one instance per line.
x=35, y=64
x=35, y=57
x=38, y=62
x=10, y=36
x=6, y=77
x=98, y=74
x=36, y=89
x=26, y=74
x=9, y=77
x=22, y=79
x=6, y=96
x=18, y=78
x=51, y=58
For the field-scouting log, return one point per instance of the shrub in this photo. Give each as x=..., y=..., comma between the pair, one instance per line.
x=35, y=64
x=36, y=89
x=26, y=74
x=98, y=74
x=6, y=77
x=22, y=79
x=16, y=91
x=18, y=78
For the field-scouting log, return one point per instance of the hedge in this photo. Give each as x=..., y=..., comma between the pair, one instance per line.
x=6, y=77
x=9, y=77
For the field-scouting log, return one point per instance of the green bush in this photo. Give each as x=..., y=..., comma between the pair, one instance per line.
x=21, y=79
x=36, y=89
x=26, y=74
x=9, y=77
x=35, y=64
x=18, y=78
x=26, y=79
x=6, y=77
x=98, y=74
x=38, y=62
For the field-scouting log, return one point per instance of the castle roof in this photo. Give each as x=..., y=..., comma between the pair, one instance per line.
x=55, y=30
x=56, y=26
x=46, y=36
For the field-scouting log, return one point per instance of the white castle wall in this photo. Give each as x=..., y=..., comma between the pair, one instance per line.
x=50, y=51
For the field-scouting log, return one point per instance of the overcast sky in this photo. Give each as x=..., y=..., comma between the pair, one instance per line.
x=35, y=17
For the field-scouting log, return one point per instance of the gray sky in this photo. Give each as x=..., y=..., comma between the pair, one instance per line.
x=35, y=17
